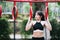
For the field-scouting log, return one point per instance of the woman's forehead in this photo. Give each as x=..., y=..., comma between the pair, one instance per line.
x=36, y=13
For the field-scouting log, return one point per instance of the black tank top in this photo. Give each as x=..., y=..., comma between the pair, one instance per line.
x=37, y=25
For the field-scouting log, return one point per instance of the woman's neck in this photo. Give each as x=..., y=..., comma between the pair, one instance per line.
x=38, y=20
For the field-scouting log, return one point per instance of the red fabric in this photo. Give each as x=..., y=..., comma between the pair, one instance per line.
x=0, y=10
x=46, y=3
x=16, y=10
x=30, y=3
x=46, y=10
x=14, y=3
x=30, y=10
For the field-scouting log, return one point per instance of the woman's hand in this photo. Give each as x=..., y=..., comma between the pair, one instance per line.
x=29, y=20
x=48, y=25
x=29, y=24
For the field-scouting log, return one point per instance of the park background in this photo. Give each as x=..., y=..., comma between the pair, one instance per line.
x=7, y=25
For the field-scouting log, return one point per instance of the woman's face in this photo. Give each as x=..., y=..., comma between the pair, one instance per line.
x=37, y=16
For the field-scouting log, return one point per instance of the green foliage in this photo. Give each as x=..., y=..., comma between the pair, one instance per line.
x=10, y=16
x=50, y=15
x=38, y=6
x=7, y=16
x=23, y=28
x=4, y=29
x=58, y=3
x=55, y=33
x=3, y=5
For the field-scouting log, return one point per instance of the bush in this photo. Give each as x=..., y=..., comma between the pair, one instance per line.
x=4, y=29
x=25, y=33
x=55, y=33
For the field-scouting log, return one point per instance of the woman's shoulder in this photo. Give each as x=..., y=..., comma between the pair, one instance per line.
x=33, y=22
x=43, y=22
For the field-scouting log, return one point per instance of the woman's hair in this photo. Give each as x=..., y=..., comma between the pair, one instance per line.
x=40, y=13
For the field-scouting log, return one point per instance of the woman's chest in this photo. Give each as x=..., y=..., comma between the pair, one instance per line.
x=42, y=23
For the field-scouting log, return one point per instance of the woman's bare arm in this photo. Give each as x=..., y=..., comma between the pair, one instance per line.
x=48, y=25
x=28, y=25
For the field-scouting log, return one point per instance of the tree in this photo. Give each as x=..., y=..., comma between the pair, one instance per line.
x=4, y=29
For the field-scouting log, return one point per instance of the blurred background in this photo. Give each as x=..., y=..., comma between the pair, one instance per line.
x=7, y=25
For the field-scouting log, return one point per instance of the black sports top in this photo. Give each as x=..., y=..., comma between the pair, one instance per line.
x=37, y=25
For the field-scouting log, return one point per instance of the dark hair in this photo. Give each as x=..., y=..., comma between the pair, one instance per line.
x=41, y=14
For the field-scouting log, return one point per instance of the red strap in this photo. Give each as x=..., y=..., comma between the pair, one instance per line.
x=46, y=10
x=30, y=10
x=14, y=3
x=16, y=10
x=0, y=10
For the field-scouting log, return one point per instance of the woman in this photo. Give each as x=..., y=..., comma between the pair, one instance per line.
x=38, y=26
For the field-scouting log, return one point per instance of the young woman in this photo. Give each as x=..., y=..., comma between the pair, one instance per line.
x=38, y=26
